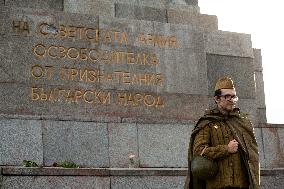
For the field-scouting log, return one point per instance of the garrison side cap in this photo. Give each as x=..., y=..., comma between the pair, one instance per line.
x=224, y=83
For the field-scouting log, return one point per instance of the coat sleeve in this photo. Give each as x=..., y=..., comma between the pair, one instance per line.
x=202, y=139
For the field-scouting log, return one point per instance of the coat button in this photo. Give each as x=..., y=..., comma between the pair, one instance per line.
x=231, y=164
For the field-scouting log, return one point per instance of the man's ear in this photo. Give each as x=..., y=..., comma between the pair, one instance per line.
x=216, y=99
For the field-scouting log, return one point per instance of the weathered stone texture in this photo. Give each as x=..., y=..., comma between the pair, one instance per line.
x=140, y=13
x=97, y=7
x=206, y=22
x=272, y=182
x=183, y=71
x=191, y=2
x=20, y=140
x=50, y=182
x=229, y=43
x=156, y=182
x=53, y=171
x=259, y=85
x=84, y=143
x=273, y=145
x=261, y=115
x=248, y=106
x=160, y=178
x=178, y=4
x=36, y=4
x=123, y=143
x=163, y=145
x=257, y=60
x=258, y=132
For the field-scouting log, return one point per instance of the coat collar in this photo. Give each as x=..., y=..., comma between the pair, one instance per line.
x=215, y=111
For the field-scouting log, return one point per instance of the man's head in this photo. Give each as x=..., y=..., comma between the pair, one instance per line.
x=225, y=95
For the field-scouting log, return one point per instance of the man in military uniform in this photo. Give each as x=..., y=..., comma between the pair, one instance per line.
x=226, y=136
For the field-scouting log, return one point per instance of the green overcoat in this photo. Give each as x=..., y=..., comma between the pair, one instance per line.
x=242, y=131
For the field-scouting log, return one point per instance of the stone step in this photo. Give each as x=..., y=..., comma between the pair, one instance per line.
x=112, y=178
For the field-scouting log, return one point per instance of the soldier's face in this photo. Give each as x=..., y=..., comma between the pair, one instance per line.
x=228, y=99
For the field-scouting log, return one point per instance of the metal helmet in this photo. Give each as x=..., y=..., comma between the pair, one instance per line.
x=203, y=168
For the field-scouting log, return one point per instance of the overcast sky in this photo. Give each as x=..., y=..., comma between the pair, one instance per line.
x=262, y=19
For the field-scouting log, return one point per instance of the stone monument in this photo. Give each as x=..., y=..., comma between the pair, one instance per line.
x=116, y=87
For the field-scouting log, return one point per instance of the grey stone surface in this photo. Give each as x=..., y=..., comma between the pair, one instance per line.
x=123, y=143
x=259, y=90
x=192, y=58
x=161, y=4
x=156, y=182
x=273, y=146
x=178, y=2
x=163, y=145
x=184, y=70
x=1, y=178
x=20, y=140
x=206, y=22
x=272, y=179
x=140, y=12
x=240, y=69
x=53, y=171
x=248, y=106
x=153, y=3
x=272, y=182
x=97, y=7
x=257, y=60
x=259, y=138
x=192, y=2
x=180, y=7
x=261, y=115
x=50, y=182
x=36, y=4
x=4, y=77
x=229, y=43
x=84, y=143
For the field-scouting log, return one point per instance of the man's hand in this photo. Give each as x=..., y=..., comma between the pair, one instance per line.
x=233, y=146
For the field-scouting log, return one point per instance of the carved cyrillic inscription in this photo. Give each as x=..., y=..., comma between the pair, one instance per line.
x=129, y=67
x=95, y=97
x=21, y=27
x=114, y=56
